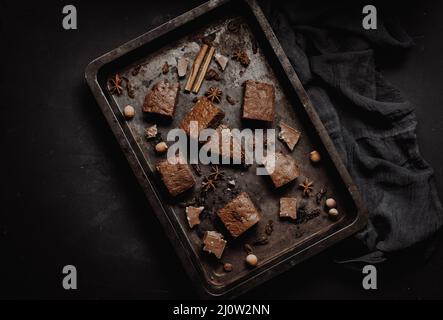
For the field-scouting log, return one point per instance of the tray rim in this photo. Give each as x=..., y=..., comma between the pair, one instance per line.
x=361, y=215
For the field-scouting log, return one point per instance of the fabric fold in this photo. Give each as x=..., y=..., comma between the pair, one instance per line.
x=371, y=124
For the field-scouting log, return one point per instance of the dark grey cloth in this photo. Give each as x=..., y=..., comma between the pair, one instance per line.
x=372, y=126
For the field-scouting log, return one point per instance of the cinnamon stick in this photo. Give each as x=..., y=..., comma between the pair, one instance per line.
x=195, y=67
x=203, y=71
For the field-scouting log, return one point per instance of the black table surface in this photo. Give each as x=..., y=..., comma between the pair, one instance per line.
x=69, y=196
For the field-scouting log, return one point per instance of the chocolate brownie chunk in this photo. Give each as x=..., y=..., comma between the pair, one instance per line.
x=214, y=243
x=288, y=208
x=205, y=113
x=239, y=215
x=162, y=98
x=283, y=170
x=177, y=177
x=259, y=101
x=193, y=215
x=289, y=135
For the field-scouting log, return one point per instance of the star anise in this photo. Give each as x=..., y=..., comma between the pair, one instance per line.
x=216, y=173
x=306, y=186
x=214, y=94
x=115, y=85
x=207, y=184
x=237, y=55
x=242, y=57
x=209, y=180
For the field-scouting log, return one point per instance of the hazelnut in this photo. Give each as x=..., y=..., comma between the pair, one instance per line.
x=227, y=267
x=315, y=156
x=129, y=112
x=333, y=213
x=251, y=259
x=161, y=147
x=331, y=203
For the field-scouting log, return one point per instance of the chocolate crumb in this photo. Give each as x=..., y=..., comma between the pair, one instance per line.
x=136, y=70
x=230, y=100
x=254, y=46
x=269, y=227
x=129, y=87
x=157, y=139
x=262, y=240
x=303, y=215
x=151, y=132
x=209, y=39
x=320, y=195
x=165, y=68
x=302, y=203
x=200, y=199
x=130, y=90
x=234, y=26
x=248, y=248
x=227, y=267
x=298, y=232
x=212, y=75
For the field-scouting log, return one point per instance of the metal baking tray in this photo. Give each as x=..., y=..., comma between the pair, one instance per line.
x=289, y=243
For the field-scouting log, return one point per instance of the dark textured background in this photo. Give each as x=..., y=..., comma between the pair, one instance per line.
x=69, y=197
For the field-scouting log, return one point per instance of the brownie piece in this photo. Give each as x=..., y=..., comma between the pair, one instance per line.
x=288, y=208
x=162, y=98
x=214, y=243
x=289, y=135
x=285, y=169
x=239, y=215
x=225, y=153
x=182, y=67
x=193, y=215
x=205, y=113
x=177, y=177
x=259, y=101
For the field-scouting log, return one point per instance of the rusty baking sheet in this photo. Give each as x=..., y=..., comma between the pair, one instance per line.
x=231, y=25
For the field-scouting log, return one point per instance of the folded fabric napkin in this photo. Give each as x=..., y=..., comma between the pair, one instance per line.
x=371, y=124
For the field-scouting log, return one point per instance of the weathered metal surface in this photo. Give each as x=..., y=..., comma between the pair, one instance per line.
x=289, y=243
